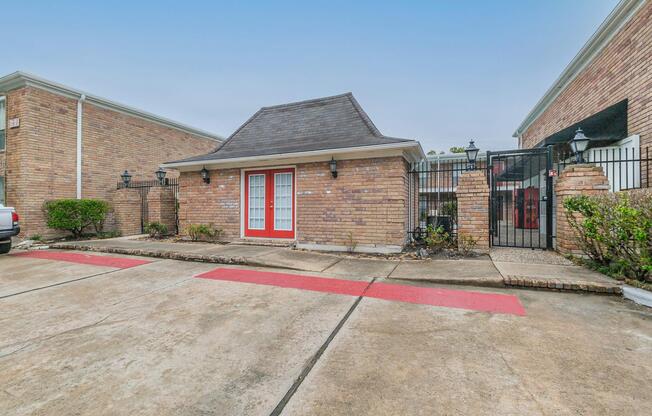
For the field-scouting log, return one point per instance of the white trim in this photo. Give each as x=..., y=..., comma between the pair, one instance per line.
x=291, y=201
x=360, y=248
x=616, y=20
x=21, y=79
x=415, y=156
x=248, y=187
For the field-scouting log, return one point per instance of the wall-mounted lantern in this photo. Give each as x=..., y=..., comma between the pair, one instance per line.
x=579, y=144
x=333, y=167
x=160, y=175
x=126, y=178
x=205, y=175
x=471, y=154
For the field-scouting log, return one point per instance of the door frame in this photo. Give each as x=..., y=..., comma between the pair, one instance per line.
x=243, y=202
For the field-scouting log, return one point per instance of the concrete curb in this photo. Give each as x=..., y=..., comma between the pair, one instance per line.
x=640, y=296
x=477, y=282
x=560, y=285
x=172, y=255
x=507, y=281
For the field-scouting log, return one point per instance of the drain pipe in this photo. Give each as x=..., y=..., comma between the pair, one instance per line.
x=80, y=111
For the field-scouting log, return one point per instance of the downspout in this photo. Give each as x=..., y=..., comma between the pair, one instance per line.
x=80, y=111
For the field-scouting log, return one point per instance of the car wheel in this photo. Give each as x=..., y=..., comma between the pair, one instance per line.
x=5, y=246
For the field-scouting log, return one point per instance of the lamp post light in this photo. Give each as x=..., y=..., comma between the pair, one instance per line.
x=126, y=178
x=333, y=167
x=160, y=175
x=205, y=175
x=471, y=154
x=579, y=144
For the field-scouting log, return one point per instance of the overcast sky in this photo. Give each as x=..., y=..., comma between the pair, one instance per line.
x=441, y=72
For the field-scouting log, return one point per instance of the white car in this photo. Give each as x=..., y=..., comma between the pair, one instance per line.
x=9, y=227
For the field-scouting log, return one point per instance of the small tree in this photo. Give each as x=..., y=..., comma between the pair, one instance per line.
x=74, y=215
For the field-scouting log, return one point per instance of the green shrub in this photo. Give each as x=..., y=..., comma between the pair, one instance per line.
x=437, y=239
x=614, y=231
x=450, y=208
x=204, y=232
x=74, y=215
x=156, y=229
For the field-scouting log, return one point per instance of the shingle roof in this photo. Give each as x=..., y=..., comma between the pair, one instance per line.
x=321, y=124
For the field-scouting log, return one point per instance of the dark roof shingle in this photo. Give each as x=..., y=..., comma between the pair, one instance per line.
x=320, y=124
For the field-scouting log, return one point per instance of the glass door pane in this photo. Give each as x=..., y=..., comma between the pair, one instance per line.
x=256, y=202
x=283, y=201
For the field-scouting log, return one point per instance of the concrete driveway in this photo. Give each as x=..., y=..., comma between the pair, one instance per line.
x=82, y=337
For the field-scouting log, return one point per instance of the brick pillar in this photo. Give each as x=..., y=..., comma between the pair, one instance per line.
x=161, y=207
x=575, y=180
x=473, y=208
x=126, y=211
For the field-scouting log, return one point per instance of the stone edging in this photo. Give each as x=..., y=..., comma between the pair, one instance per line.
x=559, y=285
x=170, y=255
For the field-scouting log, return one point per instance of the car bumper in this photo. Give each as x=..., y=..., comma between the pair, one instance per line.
x=7, y=234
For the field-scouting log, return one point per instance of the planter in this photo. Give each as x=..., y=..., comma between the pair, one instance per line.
x=640, y=296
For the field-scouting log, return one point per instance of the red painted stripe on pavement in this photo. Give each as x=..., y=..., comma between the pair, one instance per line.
x=95, y=260
x=459, y=299
x=448, y=298
x=293, y=281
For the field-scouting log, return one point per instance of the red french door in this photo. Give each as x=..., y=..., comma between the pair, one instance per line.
x=269, y=203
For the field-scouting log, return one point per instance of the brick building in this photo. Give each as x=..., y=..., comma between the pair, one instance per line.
x=316, y=172
x=606, y=90
x=58, y=142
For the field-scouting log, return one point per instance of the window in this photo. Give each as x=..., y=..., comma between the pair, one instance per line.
x=2, y=190
x=3, y=121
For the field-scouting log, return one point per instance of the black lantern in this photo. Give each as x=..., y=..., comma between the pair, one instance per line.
x=126, y=178
x=579, y=144
x=333, y=166
x=160, y=175
x=205, y=175
x=471, y=154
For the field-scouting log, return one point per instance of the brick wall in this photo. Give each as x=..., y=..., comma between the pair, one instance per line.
x=161, y=207
x=473, y=208
x=127, y=210
x=622, y=70
x=41, y=153
x=369, y=199
x=217, y=202
x=575, y=180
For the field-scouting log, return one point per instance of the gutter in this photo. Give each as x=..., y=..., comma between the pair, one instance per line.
x=80, y=114
x=616, y=20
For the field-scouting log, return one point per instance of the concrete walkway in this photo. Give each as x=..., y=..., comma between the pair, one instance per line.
x=505, y=267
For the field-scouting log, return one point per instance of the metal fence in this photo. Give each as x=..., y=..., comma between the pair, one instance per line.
x=435, y=182
x=143, y=188
x=626, y=168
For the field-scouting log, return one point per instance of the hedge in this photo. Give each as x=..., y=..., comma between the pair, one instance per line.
x=75, y=215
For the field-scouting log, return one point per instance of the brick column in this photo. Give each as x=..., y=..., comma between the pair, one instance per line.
x=473, y=208
x=161, y=207
x=126, y=211
x=575, y=180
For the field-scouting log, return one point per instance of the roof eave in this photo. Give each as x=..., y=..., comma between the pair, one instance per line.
x=620, y=15
x=22, y=79
x=412, y=151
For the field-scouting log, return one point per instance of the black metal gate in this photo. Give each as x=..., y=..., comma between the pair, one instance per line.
x=521, y=198
x=143, y=188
